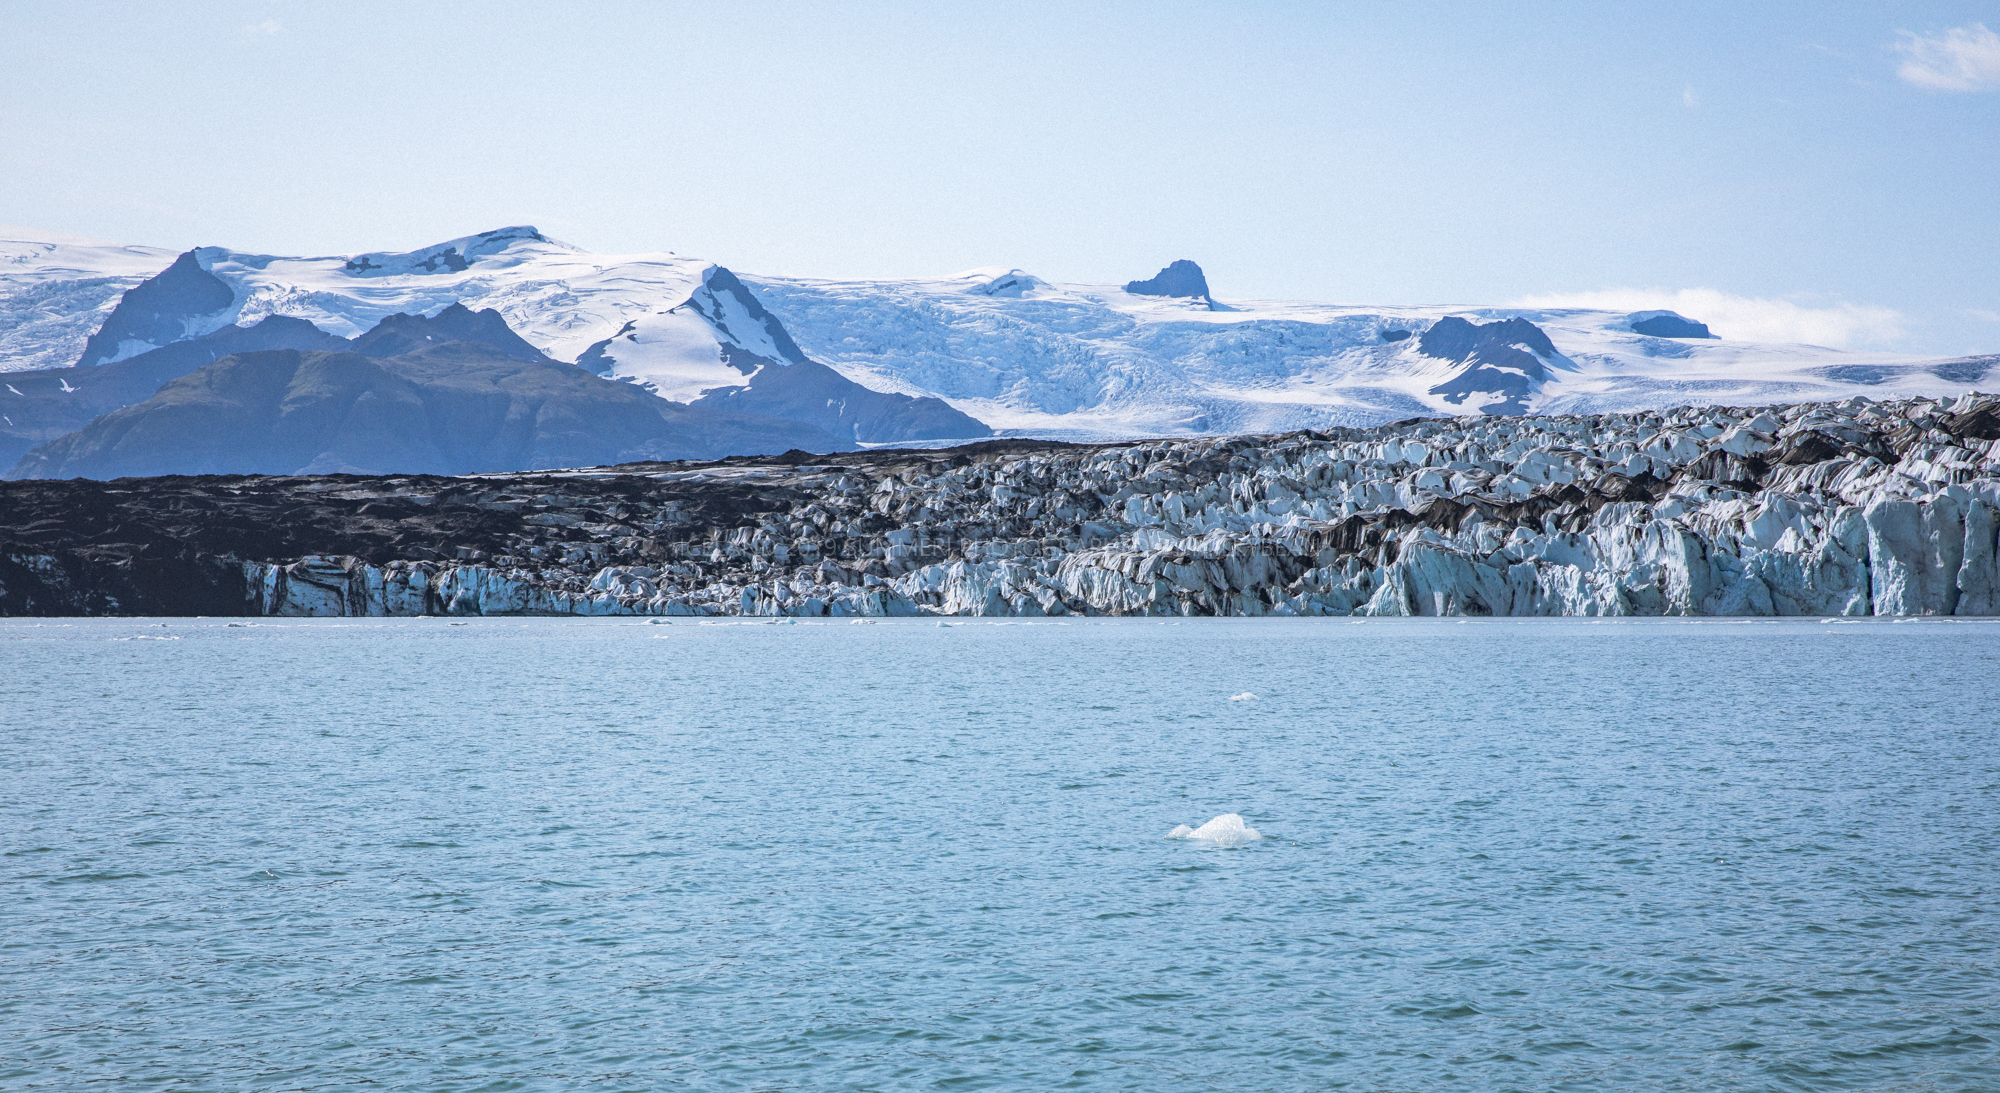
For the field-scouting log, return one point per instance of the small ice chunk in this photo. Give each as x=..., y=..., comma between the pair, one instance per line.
x=1227, y=829
x=1246, y=696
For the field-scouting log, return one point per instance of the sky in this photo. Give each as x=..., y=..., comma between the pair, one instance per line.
x=1825, y=172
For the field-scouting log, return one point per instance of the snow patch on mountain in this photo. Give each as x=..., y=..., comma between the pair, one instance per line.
x=720, y=337
x=1001, y=281
x=452, y=256
x=560, y=298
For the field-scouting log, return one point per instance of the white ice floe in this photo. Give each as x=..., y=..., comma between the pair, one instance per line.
x=1246, y=696
x=1227, y=829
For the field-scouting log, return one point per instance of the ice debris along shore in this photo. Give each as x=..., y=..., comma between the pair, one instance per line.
x=1850, y=508
x=1225, y=830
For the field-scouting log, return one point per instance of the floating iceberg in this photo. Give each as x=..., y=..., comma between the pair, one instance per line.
x=1246, y=696
x=1227, y=829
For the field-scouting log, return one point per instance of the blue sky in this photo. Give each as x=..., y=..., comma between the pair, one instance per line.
x=1824, y=171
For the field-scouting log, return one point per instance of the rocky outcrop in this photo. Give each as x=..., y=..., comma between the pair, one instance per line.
x=1666, y=324
x=1847, y=509
x=405, y=333
x=180, y=301
x=1180, y=278
x=1505, y=362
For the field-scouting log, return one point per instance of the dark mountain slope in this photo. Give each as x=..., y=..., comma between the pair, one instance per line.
x=158, y=311
x=400, y=334
x=37, y=407
x=454, y=408
x=811, y=392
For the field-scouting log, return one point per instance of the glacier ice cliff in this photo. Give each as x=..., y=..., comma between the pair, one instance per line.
x=1828, y=509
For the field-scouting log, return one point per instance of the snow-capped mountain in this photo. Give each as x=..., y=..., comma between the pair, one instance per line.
x=1158, y=356
x=682, y=328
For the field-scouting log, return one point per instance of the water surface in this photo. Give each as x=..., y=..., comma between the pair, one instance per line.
x=601, y=855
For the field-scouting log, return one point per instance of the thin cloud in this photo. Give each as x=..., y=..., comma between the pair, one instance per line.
x=267, y=27
x=1961, y=59
x=1688, y=98
x=1983, y=315
x=1745, y=318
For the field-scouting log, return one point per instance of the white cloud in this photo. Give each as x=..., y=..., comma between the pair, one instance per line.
x=1983, y=315
x=1688, y=98
x=267, y=27
x=1961, y=59
x=1745, y=318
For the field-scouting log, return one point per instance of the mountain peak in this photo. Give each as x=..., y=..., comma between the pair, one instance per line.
x=1181, y=278
x=160, y=310
x=399, y=334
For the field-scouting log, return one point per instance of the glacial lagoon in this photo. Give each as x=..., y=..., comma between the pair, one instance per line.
x=540, y=854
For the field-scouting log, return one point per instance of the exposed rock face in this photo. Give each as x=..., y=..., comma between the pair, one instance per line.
x=1854, y=508
x=1667, y=324
x=160, y=311
x=1180, y=278
x=400, y=334
x=510, y=407
x=1504, y=362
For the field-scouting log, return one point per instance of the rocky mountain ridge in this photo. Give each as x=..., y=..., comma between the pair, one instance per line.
x=1831, y=509
x=450, y=393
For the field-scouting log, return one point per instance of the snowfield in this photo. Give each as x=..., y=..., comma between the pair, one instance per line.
x=1022, y=354
x=56, y=289
x=1094, y=362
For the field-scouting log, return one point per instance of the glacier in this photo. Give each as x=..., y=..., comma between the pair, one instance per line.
x=56, y=290
x=1096, y=362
